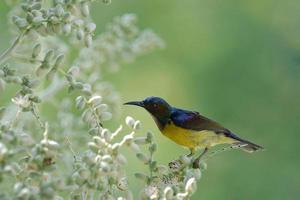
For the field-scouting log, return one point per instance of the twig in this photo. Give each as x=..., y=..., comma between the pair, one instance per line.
x=14, y=121
x=69, y=144
x=8, y=51
x=38, y=118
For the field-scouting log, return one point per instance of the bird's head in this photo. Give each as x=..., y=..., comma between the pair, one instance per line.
x=156, y=106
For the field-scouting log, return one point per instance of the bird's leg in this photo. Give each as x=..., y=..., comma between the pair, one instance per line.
x=196, y=163
x=178, y=164
x=191, y=153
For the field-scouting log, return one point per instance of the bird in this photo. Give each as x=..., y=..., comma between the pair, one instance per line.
x=191, y=129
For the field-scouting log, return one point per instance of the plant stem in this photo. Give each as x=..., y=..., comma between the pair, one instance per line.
x=35, y=114
x=150, y=167
x=8, y=51
x=97, y=119
x=14, y=121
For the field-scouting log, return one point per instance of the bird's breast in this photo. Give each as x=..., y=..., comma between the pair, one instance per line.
x=193, y=139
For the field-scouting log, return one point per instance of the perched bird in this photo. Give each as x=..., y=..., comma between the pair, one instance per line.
x=190, y=129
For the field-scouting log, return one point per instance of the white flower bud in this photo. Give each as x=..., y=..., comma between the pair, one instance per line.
x=99, y=141
x=57, y=28
x=58, y=60
x=37, y=20
x=29, y=17
x=90, y=27
x=78, y=179
x=168, y=193
x=185, y=159
x=36, y=50
x=152, y=147
x=142, y=157
x=80, y=102
x=105, y=133
x=152, y=192
x=53, y=144
x=36, y=6
x=137, y=125
x=123, y=184
x=105, y=116
x=127, y=139
x=18, y=186
x=3, y=151
x=88, y=40
x=79, y=34
x=98, y=159
x=101, y=108
x=49, y=55
x=67, y=28
x=93, y=131
x=141, y=176
x=84, y=173
x=78, y=22
x=196, y=173
x=24, y=193
x=54, y=20
x=67, y=17
x=51, y=73
x=191, y=185
x=84, y=8
x=59, y=10
x=107, y=158
x=74, y=70
x=37, y=13
x=21, y=23
x=93, y=146
x=141, y=140
x=121, y=159
x=95, y=99
x=135, y=147
x=130, y=121
x=182, y=196
x=149, y=136
x=104, y=166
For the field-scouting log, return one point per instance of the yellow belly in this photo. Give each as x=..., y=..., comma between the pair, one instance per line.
x=194, y=139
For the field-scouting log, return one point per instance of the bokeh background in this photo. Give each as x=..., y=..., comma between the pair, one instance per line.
x=237, y=62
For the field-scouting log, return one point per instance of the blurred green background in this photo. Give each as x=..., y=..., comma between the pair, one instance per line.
x=237, y=62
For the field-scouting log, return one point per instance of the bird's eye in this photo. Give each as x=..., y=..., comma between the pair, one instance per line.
x=155, y=105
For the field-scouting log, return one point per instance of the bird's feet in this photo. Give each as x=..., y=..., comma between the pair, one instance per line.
x=176, y=165
x=196, y=164
x=180, y=163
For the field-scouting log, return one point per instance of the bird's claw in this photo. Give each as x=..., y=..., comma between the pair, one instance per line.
x=196, y=164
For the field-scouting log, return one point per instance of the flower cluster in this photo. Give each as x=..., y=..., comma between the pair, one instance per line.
x=70, y=153
x=177, y=181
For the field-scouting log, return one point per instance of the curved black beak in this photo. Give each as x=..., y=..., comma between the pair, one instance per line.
x=135, y=103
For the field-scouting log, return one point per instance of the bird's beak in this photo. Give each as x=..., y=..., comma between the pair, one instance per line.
x=135, y=103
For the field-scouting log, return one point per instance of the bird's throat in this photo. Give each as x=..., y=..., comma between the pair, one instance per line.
x=161, y=122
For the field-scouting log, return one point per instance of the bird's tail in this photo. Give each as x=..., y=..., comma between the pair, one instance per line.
x=248, y=146
x=245, y=144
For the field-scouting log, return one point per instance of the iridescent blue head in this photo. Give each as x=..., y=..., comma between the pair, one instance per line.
x=157, y=107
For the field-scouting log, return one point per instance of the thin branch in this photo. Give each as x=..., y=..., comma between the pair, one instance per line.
x=8, y=51
x=15, y=120
x=38, y=118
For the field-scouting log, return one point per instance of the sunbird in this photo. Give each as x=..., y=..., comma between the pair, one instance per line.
x=190, y=129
